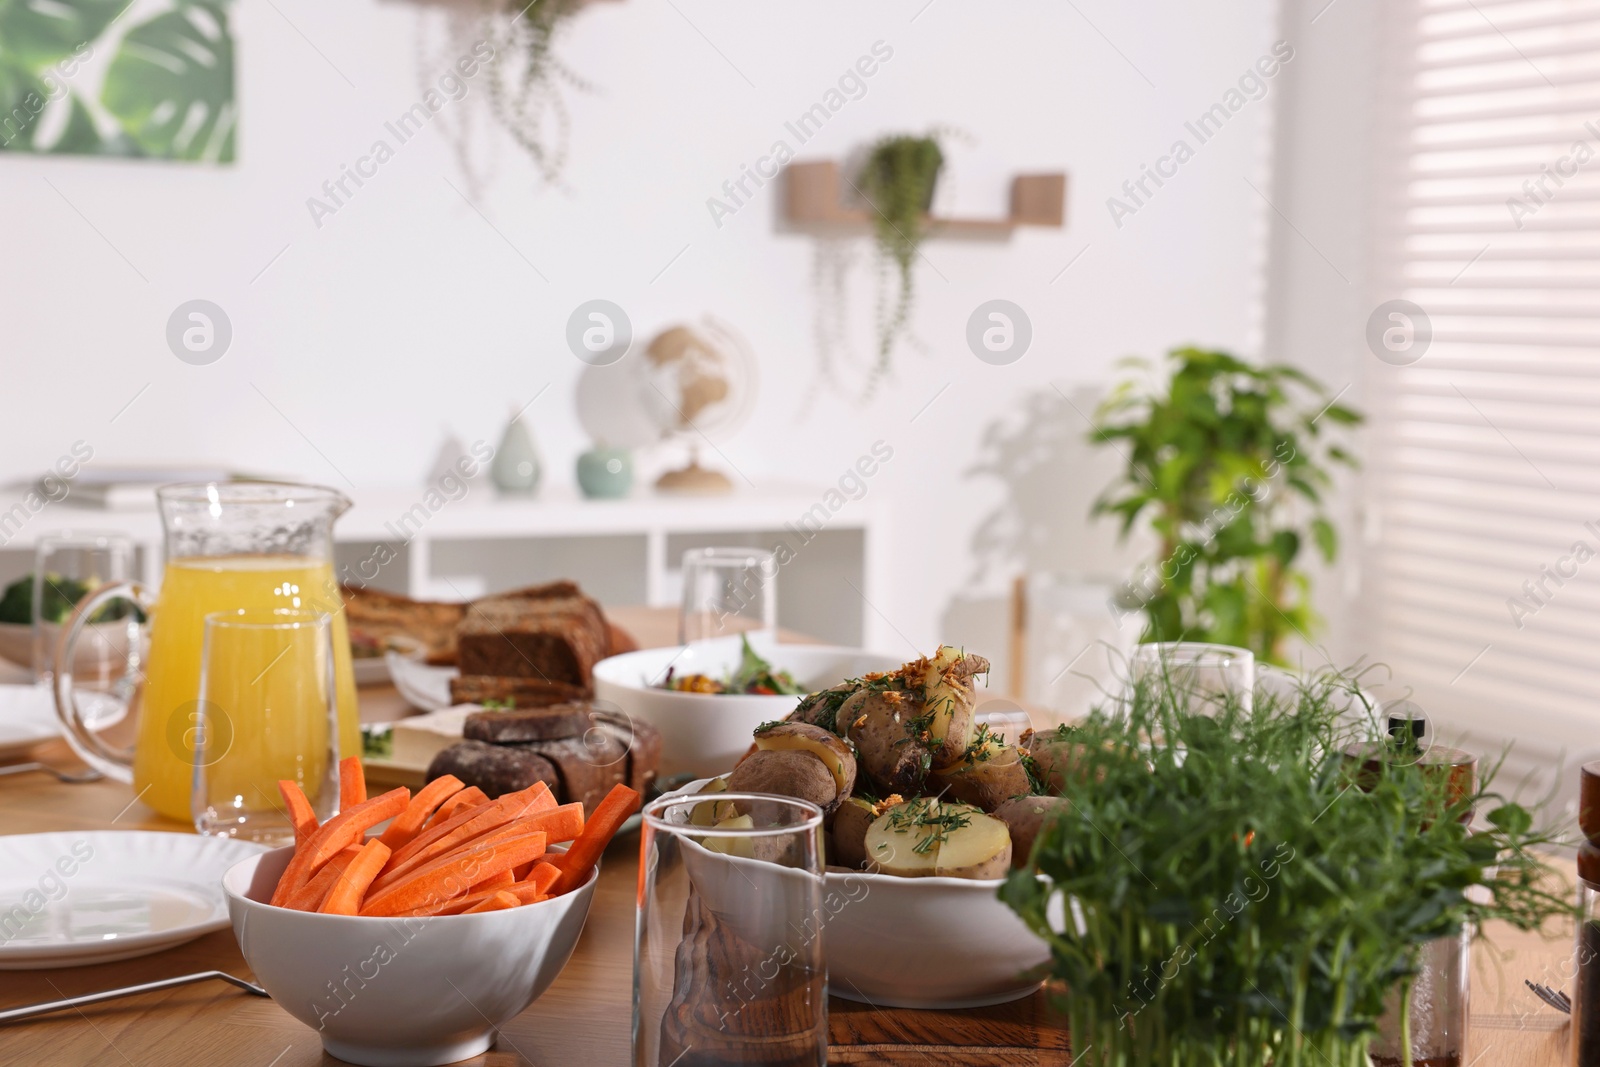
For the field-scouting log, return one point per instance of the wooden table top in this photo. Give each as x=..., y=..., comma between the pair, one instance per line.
x=584, y=1018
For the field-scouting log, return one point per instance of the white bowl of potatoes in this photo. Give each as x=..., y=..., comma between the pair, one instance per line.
x=927, y=812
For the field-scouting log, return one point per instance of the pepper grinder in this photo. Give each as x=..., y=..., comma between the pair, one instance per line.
x=1586, y=992
x=1439, y=991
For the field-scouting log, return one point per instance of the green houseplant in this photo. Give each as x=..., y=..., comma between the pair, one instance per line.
x=1239, y=893
x=897, y=181
x=1225, y=462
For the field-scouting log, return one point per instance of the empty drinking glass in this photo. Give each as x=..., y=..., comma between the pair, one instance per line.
x=1202, y=677
x=67, y=567
x=728, y=967
x=728, y=591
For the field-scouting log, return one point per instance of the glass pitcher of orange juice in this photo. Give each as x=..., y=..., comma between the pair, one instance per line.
x=229, y=547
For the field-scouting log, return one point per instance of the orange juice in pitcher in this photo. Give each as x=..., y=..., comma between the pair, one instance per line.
x=230, y=547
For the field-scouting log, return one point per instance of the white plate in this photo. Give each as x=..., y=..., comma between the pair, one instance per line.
x=369, y=670
x=425, y=687
x=28, y=716
x=74, y=898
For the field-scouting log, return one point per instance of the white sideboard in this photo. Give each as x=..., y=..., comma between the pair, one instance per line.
x=623, y=551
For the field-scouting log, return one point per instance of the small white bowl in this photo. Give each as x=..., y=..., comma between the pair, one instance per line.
x=917, y=942
x=400, y=992
x=706, y=733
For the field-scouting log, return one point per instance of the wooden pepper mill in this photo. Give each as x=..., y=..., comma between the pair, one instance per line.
x=725, y=1011
x=1586, y=956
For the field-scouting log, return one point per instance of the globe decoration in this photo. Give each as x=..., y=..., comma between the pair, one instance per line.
x=699, y=384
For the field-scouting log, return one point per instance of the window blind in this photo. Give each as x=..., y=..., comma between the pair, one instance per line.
x=1482, y=578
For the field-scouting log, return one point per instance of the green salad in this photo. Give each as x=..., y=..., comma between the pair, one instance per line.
x=753, y=676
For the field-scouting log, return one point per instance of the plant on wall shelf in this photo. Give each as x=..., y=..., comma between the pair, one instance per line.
x=1226, y=464
x=524, y=82
x=897, y=180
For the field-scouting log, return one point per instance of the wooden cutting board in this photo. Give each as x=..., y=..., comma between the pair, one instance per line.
x=1025, y=1033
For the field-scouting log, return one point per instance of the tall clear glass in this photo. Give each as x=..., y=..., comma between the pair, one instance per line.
x=1438, y=1002
x=728, y=591
x=1201, y=676
x=68, y=567
x=728, y=967
x=267, y=712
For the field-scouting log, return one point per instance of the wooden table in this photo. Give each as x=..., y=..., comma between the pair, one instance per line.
x=583, y=1019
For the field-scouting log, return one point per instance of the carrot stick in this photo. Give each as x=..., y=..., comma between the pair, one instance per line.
x=471, y=796
x=301, y=816
x=309, y=896
x=503, y=880
x=581, y=857
x=452, y=875
x=339, y=832
x=408, y=824
x=345, y=896
x=528, y=891
x=498, y=902
x=470, y=824
x=352, y=782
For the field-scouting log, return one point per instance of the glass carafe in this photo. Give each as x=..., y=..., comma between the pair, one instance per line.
x=229, y=547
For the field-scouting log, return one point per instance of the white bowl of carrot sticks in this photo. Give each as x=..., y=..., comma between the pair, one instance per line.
x=412, y=946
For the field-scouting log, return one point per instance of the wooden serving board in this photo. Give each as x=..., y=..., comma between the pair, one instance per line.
x=1025, y=1033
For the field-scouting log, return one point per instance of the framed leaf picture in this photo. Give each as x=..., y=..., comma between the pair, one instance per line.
x=136, y=78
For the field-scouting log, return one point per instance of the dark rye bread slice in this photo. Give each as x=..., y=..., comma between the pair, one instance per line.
x=555, y=639
x=640, y=740
x=581, y=769
x=495, y=769
x=518, y=725
x=519, y=692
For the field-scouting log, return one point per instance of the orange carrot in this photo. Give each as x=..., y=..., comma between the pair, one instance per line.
x=469, y=797
x=309, y=896
x=408, y=824
x=301, y=816
x=451, y=876
x=503, y=880
x=352, y=782
x=528, y=891
x=608, y=817
x=498, y=902
x=521, y=806
x=339, y=832
x=345, y=896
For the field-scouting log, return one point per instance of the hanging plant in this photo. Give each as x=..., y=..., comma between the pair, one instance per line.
x=897, y=181
x=525, y=84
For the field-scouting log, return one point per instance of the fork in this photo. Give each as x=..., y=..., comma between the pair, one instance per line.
x=1553, y=997
x=128, y=991
x=71, y=777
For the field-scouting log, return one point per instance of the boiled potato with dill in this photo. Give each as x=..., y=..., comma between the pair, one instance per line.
x=788, y=773
x=1026, y=818
x=944, y=683
x=904, y=840
x=847, y=837
x=972, y=844
x=991, y=774
x=883, y=725
x=828, y=747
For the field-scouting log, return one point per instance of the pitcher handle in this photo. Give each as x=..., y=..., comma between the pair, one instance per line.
x=114, y=763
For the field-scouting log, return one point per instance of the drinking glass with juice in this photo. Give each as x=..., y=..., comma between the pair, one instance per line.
x=250, y=546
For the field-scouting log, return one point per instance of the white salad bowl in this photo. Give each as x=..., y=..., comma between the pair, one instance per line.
x=907, y=942
x=400, y=992
x=706, y=733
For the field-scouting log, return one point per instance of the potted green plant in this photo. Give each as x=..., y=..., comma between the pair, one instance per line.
x=1225, y=462
x=897, y=181
x=1233, y=899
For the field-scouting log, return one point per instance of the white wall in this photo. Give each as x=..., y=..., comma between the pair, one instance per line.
x=406, y=312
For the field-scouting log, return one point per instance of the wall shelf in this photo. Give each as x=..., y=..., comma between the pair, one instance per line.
x=814, y=197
